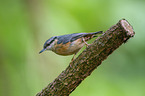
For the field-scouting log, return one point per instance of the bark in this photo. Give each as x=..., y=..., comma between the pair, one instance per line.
x=89, y=60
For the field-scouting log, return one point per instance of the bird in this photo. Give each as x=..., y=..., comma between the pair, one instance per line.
x=68, y=44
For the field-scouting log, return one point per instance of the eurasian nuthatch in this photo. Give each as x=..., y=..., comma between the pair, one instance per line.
x=68, y=44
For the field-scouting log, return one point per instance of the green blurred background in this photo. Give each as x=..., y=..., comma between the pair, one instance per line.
x=26, y=24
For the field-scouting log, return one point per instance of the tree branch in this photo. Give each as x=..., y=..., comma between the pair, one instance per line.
x=89, y=60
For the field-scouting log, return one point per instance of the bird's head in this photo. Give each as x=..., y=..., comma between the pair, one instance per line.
x=48, y=44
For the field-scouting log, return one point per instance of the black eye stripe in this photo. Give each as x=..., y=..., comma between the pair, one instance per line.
x=51, y=41
x=48, y=43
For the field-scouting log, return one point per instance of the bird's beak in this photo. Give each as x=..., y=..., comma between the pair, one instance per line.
x=42, y=51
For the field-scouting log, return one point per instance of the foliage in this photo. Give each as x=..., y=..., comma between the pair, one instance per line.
x=26, y=24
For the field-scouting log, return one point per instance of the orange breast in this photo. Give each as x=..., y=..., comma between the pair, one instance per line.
x=68, y=48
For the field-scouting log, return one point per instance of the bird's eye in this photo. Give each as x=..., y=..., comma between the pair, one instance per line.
x=49, y=41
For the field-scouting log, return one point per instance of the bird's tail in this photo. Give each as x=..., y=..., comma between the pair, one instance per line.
x=89, y=36
x=94, y=34
x=99, y=32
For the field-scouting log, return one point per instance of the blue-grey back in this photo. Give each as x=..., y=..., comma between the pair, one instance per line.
x=69, y=38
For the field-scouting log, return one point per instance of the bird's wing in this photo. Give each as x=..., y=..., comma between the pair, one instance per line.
x=69, y=38
x=77, y=36
x=72, y=37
